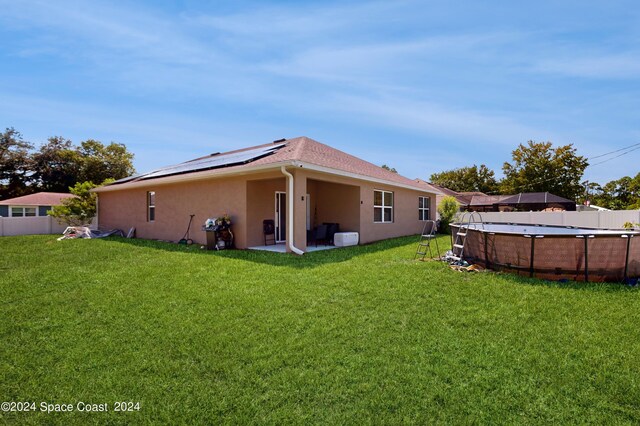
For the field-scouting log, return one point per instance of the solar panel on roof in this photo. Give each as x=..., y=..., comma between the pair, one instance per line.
x=214, y=162
x=127, y=179
x=208, y=163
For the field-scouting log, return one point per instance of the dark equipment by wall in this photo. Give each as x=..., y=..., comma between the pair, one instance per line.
x=186, y=240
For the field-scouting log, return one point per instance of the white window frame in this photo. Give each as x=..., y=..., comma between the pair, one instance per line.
x=382, y=206
x=151, y=206
x=424, y=212
x=24, y=210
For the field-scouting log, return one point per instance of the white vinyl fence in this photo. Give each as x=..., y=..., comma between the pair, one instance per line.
x=614, y=219
x=10, y=226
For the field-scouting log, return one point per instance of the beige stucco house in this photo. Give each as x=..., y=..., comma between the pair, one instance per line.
x=297, y=182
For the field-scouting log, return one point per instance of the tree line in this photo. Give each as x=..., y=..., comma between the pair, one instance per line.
x=619, y=194
x=58, y=164
x=541, y=167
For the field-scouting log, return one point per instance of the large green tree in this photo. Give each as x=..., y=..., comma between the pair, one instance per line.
x=15, y=164
x=592, y=192
x=79, y=210
x=101, y=162
x=618, y=194
x=57, y=165
x=467, y=179
x=539, y=167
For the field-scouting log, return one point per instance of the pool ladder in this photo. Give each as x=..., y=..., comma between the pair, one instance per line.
x=424, y=244
x=457, y=248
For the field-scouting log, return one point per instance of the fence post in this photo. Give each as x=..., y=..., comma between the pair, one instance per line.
x=1, y=226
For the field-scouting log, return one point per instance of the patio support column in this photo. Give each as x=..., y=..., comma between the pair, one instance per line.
x=300, y=209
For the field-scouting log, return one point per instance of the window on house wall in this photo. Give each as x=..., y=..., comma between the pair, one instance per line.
x=23, y=212
x=382, y=206
x=424, y=208
x=151, y=206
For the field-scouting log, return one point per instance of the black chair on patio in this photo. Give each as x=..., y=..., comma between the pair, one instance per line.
x=320, y=234
x=269, y=230
x=332, y=228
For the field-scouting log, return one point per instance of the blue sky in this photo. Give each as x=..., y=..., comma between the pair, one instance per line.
x=422, y=86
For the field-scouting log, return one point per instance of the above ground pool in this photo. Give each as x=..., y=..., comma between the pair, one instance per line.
x=551, y=252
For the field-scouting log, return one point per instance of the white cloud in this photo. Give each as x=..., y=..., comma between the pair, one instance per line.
x=605, y=66
x=434, y=119
x=288, y=24
x=353, y=62
x=101, y=30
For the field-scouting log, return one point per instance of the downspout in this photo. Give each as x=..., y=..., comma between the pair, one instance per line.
x=290, y=200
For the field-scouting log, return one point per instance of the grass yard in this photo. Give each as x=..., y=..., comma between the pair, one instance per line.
x=356, y=335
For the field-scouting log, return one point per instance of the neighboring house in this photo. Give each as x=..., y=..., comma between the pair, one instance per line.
x=442, y=192
x=32, y=205
x=27, y=215
x=525, y=201
x=298, y=183
x=590, y=208
x=460, y=197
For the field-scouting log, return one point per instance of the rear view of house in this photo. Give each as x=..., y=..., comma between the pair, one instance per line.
x=297, y=183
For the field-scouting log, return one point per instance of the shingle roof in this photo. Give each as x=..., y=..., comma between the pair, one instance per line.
x=311, y=151
x=434, y=187
x=464, y=198
x=307, y=150
x=37, y=199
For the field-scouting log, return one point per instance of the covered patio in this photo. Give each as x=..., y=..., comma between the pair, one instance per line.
x=321, y=208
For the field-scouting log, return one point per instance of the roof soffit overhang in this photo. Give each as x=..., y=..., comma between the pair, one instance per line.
x=330, y=171
x=247, y=170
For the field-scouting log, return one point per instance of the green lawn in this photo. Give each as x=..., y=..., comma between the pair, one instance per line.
x=357, y=335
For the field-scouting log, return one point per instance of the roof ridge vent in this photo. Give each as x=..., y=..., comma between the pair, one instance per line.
x=279, y=140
